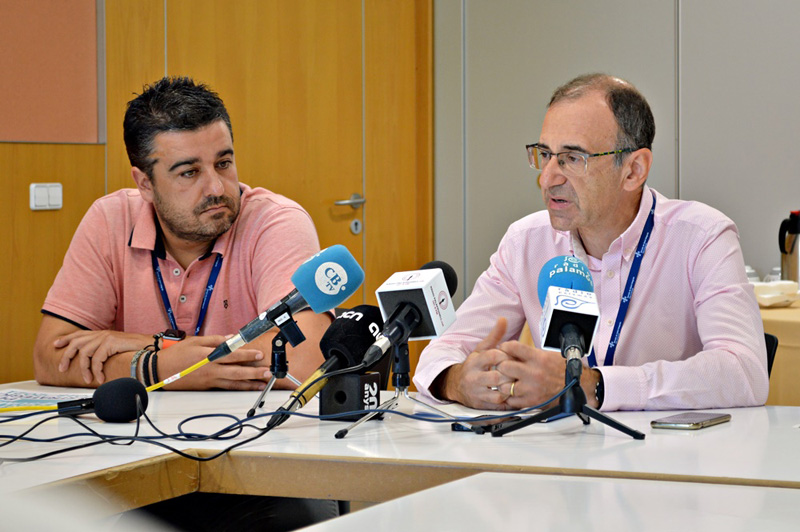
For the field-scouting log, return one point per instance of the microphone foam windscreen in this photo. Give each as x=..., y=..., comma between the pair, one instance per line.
x=565, y=271
x=115, y=401
x=328, y=278
x=351, y=334
x=449, y=273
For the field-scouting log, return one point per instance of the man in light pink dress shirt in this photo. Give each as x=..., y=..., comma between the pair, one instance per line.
x=692, y=337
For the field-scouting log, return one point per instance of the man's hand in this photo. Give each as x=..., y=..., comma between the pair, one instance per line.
x=538, y=375
x=476, y=382
x=240, y=370
x=93, y=348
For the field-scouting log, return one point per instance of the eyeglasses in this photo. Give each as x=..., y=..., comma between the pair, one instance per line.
x=572, y=163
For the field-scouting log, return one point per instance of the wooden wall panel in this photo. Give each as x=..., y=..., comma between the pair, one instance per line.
x=398, y=130
x=35, y=241
x=48, y=85
x=134, y=57
x=398, y=126
x=290, y=76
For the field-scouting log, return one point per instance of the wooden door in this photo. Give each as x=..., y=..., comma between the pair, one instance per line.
x=327, y=99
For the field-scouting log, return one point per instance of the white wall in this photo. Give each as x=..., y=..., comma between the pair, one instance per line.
x=706, y=68
x=740, y=116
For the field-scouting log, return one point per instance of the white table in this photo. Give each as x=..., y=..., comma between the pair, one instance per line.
x=513, y=502
x=381, y=460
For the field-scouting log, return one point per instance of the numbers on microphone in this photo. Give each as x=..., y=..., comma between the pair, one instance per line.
x=371, y=395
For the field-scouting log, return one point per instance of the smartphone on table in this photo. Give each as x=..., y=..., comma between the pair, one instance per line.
x=690, y=420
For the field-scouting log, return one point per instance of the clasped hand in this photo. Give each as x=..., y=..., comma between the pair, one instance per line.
x=505, y=375
x=91, y=350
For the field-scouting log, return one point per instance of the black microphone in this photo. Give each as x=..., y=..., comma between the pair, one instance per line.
x=113, y=401
x=417, y=306
x=343, y=346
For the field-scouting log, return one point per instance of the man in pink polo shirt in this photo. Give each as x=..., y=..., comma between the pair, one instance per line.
x=692, y=335
x=191, y=248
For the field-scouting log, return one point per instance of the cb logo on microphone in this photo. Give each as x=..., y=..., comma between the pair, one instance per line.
x=330, y=278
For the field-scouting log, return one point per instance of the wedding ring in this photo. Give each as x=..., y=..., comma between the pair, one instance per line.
x=512, y=389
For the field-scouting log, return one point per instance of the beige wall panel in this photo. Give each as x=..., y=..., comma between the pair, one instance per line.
x=134, y=57
x=48, y=86
x=37, y=240
x=290, y=75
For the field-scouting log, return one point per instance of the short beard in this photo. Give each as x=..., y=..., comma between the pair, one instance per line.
x=179, y=226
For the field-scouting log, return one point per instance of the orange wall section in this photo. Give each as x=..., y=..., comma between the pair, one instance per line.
x=48, y=60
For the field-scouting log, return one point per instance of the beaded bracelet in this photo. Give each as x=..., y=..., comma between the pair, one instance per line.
x=135, y=361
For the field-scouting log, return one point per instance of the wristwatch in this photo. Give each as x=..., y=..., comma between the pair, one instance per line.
x=169, y=337
x=600, y=390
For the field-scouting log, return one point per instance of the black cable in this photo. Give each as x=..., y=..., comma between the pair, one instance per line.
x=223, y=434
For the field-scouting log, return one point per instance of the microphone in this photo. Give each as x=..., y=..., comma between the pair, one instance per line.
x=418, y=305
x=343, y=346
x=322, y=282
x=570, y=314
x=113, y=401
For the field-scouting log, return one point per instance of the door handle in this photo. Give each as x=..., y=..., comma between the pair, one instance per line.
x=356, y=200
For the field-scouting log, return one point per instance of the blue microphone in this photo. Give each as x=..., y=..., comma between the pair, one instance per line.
x=322, y=283
x=566, y=271
x=570, y=314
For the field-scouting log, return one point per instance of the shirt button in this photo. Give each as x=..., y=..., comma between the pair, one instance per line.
x=182, y=299
x=176, y=272
x=610, y=274
x=609, y=322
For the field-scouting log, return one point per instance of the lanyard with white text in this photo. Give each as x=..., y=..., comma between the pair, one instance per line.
x=206, y=297
x=628, y=293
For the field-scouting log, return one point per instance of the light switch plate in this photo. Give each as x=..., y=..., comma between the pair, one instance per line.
x=46, y=196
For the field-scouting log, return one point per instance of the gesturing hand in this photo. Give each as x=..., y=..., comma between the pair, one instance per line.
x=476, y=382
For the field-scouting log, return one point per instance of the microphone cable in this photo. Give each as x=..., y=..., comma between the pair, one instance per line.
x=226, y=433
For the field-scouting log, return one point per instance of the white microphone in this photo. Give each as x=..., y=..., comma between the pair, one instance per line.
x=415, y=305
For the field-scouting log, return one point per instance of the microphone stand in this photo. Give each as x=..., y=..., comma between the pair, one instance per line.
x=573, y=402
x=279, y=369
x=401, y=367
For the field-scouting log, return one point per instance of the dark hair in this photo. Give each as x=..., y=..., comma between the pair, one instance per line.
x=635, y=121
x=169, y=104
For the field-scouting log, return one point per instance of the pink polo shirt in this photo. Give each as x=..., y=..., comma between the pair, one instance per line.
x=107, y=280
x=692, y=338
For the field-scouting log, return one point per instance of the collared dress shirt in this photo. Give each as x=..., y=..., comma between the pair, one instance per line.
x=692, y=338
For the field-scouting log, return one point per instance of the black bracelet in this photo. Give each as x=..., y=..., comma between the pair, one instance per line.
x=156, y=338
x=155, y=369
x=146, y=368
x=600, y=390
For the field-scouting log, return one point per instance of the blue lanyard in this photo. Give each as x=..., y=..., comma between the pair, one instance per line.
x=628, y=293
x=206, y=297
